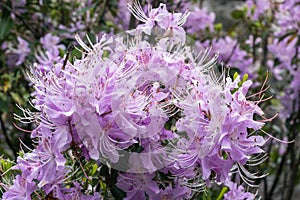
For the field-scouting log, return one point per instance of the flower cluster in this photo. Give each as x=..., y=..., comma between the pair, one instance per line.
x=288, y=17
x=145, y=106
x=199, y=20
x=285, y=47
x=232, y=55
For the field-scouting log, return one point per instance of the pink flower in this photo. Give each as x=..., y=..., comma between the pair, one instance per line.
x=137, y=186
x=22, y=50
x=50, y=41
x=237, y=192
x=170, y=22
x=199, y=20
x=21, y=189
x=258, y=8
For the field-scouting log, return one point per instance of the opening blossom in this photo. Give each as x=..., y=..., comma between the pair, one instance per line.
x=145, y=105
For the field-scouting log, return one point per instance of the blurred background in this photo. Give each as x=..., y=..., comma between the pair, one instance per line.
x=258, y=38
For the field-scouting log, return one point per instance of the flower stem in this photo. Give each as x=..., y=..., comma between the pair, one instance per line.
x=223, y=191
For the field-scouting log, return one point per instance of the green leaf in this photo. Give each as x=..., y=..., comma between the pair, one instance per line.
x=252, y=9
x=6, y=164
x=85, y=9
x=276, y=128
x=3, y=103
x=103, y=186
x=5, y=26
x=16, y=97
x=94, y=169
x=117, y=193
x=92, y=37
x=5, y=82
x=75, y=54
x=257, y=24
x=104, y=171
x=275, y=102
x=238, y=14
x=205, y=196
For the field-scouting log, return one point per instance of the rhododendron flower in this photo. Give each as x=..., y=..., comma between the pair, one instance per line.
x=170, y=22
x=21, y=189
x=50, y=42
x=199, y=20
x=232, y=55
x=176, y=193
x=139, y=106
x=288, y=17
x=237, y=192
x=256, y=10
x=138, y=185
x=22, y=50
